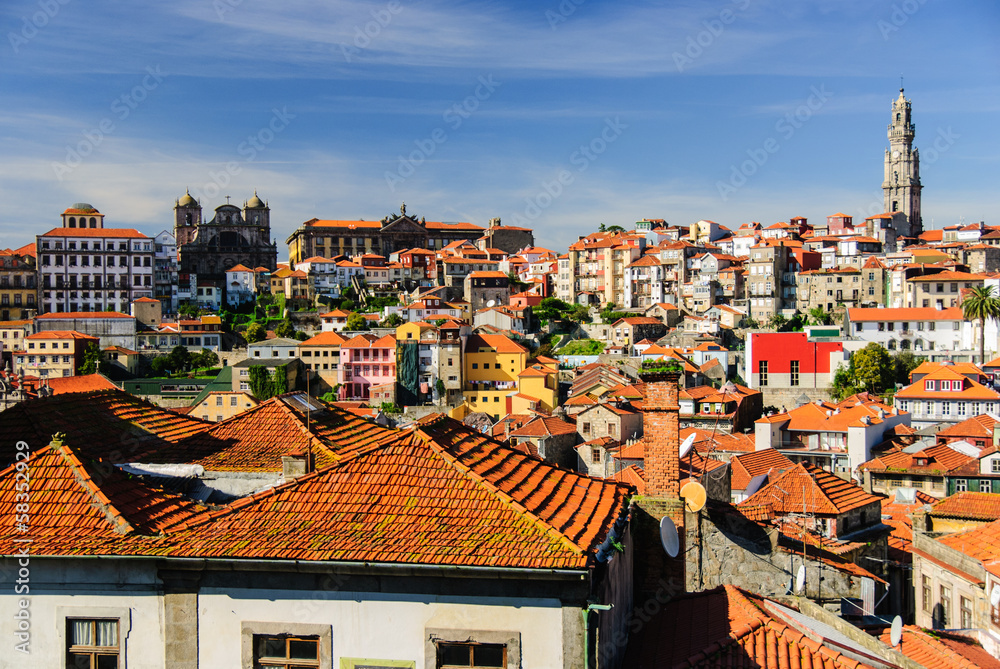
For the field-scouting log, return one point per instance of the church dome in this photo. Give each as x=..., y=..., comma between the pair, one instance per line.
x=82, y=208
x=255, y=202
x=187, y=201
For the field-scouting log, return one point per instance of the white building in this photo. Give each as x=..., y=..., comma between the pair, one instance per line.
x=92, y=268
x=241, y=285
x=921, y=329
x=165, y=271
x=946, y=395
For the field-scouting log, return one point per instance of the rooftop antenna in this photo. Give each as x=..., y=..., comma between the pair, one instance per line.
x=900, y=83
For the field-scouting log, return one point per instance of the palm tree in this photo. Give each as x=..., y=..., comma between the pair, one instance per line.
x=980, y=303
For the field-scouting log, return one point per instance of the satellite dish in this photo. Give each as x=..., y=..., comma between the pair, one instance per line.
x=694, y=496
x=668, y=537
x=755, y=483
x=491, y=303
x=896, y=631
x=687, y=444
x=800, y=578
x=995, y=596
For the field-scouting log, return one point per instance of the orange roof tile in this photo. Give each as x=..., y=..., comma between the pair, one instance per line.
x=62, y=315
x=60, y=385
x=862, y=315
x=808, y=489
x=937, y=649
x=977, y=426
x=544, y=426
x=116, y=233
x=748, y=465
x=969, y=505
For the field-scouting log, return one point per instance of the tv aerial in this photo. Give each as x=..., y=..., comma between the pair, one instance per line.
x=668, y=537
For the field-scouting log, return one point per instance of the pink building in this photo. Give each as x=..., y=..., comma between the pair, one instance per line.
x=366, y=361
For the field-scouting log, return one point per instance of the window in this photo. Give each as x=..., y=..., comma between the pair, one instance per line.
x=961, y=485
x=218, y=400
x=475, y=365
x=966, y=611
x=232, y=401
x=762, y=372
x=451, y=655
x=930, y=385
x=92, y=643
x=794, y=379
x=586, y=428
x=926, y=581
x=595, y=455
x=945, y=613
x=285, y=651
x=995, y=465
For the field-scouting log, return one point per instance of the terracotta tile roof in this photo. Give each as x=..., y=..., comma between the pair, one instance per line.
x=947, y=275
x=633, y=476
x=546, y=426
x=106, y=423
x=969, y=505
x=726, y=627
x=500, y=343
x=748, y=465
x=83, y=505
x=937, y=649
x=939, y=458
x=60, y=385
x=116, y=233
x=813, y=417
x=980, y=543
x=808, y=489
x=324, y=339
x=977, y=426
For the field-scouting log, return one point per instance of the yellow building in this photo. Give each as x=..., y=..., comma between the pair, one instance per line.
x=54, y=353
x=492, y=366
x=219, y=405
x=540, y=383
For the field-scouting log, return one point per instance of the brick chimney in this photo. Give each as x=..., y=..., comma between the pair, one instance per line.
x=661, y=434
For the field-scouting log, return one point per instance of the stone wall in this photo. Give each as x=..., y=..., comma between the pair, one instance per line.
x=726, y=547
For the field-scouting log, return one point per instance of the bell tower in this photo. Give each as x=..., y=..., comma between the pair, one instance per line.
x=187, y=218
x=901, y=185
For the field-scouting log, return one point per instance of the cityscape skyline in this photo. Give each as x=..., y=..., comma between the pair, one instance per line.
x=468, y=113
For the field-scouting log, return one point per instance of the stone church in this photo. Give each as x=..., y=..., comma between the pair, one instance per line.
x=232, y=237
x=901, y=185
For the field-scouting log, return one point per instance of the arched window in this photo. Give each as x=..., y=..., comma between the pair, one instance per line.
x=72, y=221
x=918, y=344
x=93, y=222
x=898, y=117
x=891, y=345
x=904, y=345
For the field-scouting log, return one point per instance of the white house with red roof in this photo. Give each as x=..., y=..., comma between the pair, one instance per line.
x=946, y=395
x=918, y=329
x=241, y=285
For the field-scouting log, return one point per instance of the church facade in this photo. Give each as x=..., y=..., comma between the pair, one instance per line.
x=232, y=237
x=901, y=185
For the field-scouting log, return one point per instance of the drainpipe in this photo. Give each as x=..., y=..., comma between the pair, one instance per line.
x=586, y=626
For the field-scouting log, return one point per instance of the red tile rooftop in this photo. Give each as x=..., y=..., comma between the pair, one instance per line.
x=969, y=505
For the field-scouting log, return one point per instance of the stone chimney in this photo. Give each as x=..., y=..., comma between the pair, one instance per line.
x=661, y=434
x=296, y=464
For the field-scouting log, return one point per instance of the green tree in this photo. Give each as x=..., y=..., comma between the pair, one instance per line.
x=903, y=363
x=614, y=228
x=580, y=313
x=255, y=332
x=602, y=228
x=285, y=329
x=206, y=359
x=979, y=304
x=180, y=359
x=819, y=316
x=189, y=310
x=777, y=321
x=393, y=320
x=160, y=365
x=91, y=359
x=873, y=369
x=356, y=321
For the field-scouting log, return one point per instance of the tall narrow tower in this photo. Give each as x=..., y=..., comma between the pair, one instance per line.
x=902, y=168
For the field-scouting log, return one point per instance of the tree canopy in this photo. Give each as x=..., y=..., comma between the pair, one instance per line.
x=356, y=321
x=980, y=304
x=255, y=332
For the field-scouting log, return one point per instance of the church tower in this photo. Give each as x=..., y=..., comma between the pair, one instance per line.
x=901, y=185
x=187, y=218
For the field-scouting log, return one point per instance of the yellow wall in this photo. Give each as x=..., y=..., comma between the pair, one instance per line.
x=539, y=388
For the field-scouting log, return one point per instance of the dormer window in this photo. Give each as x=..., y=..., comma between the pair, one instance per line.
x=930, y=385
x=956, y=385
x=921, y=462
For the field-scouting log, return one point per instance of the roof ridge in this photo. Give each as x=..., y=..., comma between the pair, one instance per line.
x=100, y=501
x=504, y=497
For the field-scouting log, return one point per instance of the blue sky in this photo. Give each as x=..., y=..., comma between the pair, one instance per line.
x=560, y=115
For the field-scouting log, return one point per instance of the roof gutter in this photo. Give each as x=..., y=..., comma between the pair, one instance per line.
x=316, y=566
